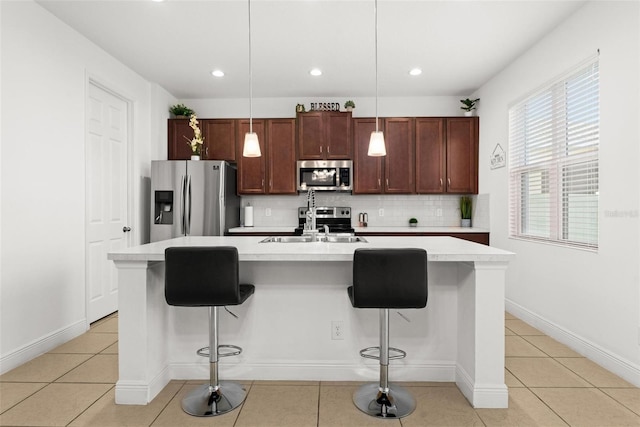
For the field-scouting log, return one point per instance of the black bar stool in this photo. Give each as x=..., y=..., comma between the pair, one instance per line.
x=208, y=276
x=387, y=279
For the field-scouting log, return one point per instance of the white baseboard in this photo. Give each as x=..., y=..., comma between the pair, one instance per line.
x=622, y=367
x=482, y=395
x=139, y=392
x=317, y=371
x=42, y=345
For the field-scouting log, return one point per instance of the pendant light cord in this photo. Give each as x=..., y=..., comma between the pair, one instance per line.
x=250, y=77
x=375, y=12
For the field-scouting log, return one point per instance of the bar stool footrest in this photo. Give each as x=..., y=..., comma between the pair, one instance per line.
x=235, y=350
x=374, y=353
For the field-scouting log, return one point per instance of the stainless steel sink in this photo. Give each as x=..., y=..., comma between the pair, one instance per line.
x=320, y=238
x=342, y=239
x=287, y=239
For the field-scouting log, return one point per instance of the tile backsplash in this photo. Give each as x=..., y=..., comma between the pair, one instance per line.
x=430, y=210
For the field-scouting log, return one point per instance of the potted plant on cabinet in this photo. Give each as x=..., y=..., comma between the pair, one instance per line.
x=413, y=222
x=181, y=111
x=349, y=105
x=465, y=211
x=468, y=105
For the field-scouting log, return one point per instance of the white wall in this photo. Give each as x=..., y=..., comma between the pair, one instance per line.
x=45, y=66
x=588, y=300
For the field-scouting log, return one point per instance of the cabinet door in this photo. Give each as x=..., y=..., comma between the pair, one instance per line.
x=462, y=155
x=367, y=171
x=399, y=161
x=178, y=134
x=338, y=135
x=281, y=156
x=311, y=135
x=251, y=170
x=219, y=139
x=430, y=155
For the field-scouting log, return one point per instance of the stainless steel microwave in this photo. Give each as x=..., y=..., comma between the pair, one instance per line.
x=325, y=175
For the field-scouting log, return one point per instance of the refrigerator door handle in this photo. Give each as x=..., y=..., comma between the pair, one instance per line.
x=221, y=201
x=182, y=205
x=188, y=203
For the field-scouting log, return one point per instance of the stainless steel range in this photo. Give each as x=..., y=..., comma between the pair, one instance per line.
x=337, y=218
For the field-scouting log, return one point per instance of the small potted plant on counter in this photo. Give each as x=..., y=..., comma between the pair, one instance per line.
x=413, y=222
x=468, y=105
x=181, y=111
x=349, y=105
x=465, y=211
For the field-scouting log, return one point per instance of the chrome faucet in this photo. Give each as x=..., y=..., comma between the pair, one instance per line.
x=311, y=211
x=326, y=231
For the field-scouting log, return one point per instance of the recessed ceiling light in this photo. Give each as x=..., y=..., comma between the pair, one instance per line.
x=316, y=72
x=217, y=73
x=157, y=1
x=415, y=72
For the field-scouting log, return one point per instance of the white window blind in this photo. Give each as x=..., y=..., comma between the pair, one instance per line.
x=553, y=161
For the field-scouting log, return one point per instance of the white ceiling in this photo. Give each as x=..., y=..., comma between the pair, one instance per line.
x=177, y=43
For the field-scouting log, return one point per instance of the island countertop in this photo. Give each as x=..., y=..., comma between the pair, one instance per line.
x=439, y=248
x=300, y=289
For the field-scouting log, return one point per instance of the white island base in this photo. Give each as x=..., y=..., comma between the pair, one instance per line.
x=285, y=328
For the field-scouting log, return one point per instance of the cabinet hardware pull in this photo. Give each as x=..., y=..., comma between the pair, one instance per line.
x=262, y=182
x=378, y=182
x=387, y=183
x=321, y=149
x=327, y=149
x=448, y=182
x=440, y=182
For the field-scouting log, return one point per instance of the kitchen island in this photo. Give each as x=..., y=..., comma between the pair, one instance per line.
x=285, y=329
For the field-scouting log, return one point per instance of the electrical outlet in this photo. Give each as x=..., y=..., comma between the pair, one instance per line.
x=337, y=330
x=381, y=212
x=267, y=212
x=438, y=212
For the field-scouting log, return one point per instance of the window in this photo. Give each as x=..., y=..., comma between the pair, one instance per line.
x=554, y=139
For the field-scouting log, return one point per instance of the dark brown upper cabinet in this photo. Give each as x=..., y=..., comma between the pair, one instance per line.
x=324, y=135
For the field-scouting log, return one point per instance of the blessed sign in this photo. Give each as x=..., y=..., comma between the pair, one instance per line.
x=325, y=106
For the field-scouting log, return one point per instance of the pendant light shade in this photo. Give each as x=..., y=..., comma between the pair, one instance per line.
x=376, y=145
x=376, y=142
x=251, y=144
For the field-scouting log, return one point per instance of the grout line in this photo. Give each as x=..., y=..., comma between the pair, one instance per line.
x=318, y=407
x=91, y=404
x=168, y=402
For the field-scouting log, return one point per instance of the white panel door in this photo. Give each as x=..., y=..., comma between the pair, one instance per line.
x=106, y=197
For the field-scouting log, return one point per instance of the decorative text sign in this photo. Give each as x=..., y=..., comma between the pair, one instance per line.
x=325, y=106
x=498, y=157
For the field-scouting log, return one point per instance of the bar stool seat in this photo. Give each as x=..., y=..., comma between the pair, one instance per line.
x=208, y=277
x=387, y=279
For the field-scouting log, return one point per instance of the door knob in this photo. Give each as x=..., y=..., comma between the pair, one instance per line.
x=126, y=229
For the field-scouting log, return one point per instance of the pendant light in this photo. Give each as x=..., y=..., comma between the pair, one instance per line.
x=251, y=144
x=376, y=143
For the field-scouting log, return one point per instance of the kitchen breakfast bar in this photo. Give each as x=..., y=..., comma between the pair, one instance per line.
x=287, y=329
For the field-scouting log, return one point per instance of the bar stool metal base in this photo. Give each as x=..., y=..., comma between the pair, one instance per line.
x=396, y=403
x=204, y=401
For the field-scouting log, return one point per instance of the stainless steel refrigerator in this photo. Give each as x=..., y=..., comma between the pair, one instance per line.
x=193, y=198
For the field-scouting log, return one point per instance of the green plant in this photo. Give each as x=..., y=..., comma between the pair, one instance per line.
x=413, y=221
x=180, y=110
x=349, y=103
x=469, y=104
x=465, y=207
